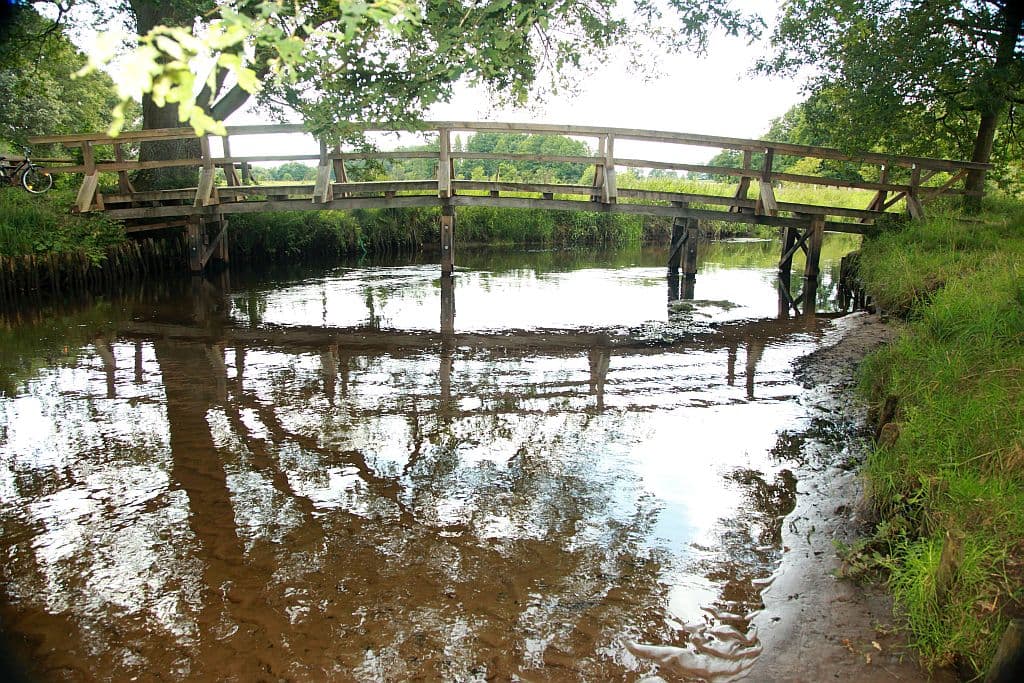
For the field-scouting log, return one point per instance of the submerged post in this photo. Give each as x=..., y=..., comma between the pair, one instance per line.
x=194, y=242
x=690, y=257
x=816, y=235
x=675, y=251
x=447, y=305
x=447, y=239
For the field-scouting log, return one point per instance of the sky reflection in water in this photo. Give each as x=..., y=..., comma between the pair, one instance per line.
x=215, y=486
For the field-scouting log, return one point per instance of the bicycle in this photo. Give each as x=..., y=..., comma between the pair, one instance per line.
x=32, y=177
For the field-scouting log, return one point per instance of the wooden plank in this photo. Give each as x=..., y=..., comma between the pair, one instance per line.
x=766, y=203
x=546, y=158
x=492, y=186
x=655, y=195
x=692, y=168
x=444, y=174
x=322, y=191
x=159, y=225
x=863, y=214
x=87, y=192
x=832, y=182
x=188, y=193
x=204, y=189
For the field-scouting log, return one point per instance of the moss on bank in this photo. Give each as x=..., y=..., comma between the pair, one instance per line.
x=947, y=477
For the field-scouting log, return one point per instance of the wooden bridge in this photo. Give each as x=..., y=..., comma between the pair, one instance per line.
x=903, y=186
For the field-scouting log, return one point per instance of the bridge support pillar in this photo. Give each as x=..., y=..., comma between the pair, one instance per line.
x=447, y=239
x=816, y=235
x=690, y=257
x=683, y=252
x=194, y=241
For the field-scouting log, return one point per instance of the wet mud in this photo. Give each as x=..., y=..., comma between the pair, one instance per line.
x=815, y=626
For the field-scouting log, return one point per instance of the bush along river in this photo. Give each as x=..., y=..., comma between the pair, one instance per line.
x=545, y=468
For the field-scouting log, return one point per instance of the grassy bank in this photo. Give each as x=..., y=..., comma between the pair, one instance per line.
x=277, y=236
x=43, y=224
x=947, y=478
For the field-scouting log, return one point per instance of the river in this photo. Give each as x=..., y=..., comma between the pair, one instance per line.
x=538, y=470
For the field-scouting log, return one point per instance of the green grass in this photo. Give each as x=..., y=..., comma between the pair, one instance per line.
x=956, y=471
x=42, y=224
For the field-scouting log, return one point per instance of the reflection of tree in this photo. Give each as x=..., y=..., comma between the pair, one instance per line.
x=448, y=569
x=741, y=560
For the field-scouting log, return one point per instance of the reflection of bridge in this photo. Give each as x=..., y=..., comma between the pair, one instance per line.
x=202, y=210
x=336, y=346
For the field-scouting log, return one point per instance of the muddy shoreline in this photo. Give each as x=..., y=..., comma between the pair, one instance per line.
x=815, y=627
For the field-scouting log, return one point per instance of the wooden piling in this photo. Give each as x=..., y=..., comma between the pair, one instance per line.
x=195, y=244
x=813, y=267
x=447, y=239
x=690, y=249
x=675, y=252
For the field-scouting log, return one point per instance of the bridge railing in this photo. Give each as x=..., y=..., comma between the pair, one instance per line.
x=898, y=181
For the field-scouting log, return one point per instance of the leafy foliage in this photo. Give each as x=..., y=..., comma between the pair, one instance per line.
x=925, y=78
x=387, y=59
x=38, y=92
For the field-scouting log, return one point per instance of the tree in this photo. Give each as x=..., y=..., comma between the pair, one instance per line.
x=929, y=77
x=38, y=92
x=335, y=61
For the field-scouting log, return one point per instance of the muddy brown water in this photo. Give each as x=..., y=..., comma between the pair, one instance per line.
x=545, y=469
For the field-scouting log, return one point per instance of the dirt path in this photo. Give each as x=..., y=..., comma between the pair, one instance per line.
x=815, y=627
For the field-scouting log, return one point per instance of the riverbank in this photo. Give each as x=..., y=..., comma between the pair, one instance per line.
x=946, y=480
x=816, y=626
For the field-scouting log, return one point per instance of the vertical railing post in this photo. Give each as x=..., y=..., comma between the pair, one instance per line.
x=230, y=175
x=766, y=204
x=204, y=188
x=599, y=192
x=322, y=191
x=340, y=174
x=87, y=192
x=914, y=207
x=444, y=164
x=609, y=191
x=741, y=191
x=124, y=185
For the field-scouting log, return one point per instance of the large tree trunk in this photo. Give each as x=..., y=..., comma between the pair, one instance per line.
x=149, y=14
x=1001, y=87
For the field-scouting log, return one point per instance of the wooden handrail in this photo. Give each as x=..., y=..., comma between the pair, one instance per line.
x=669, y=137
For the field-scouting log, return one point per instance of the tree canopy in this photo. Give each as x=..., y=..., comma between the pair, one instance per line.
x=36, y=85
x=344, y=60
x=933, y=78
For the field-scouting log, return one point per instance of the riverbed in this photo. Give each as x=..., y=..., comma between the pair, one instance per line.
x=549, y=467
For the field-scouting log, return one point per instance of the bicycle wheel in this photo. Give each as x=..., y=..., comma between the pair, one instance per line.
x=35, y=181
